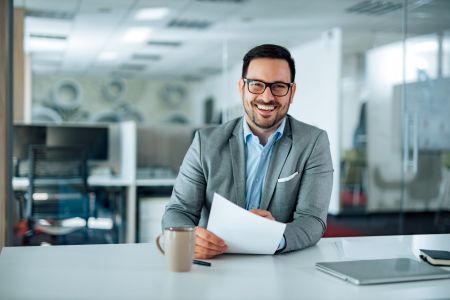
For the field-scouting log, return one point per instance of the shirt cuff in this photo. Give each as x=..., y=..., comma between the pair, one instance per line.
x=282, y=245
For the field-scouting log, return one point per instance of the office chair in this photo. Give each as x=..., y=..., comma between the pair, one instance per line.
x=424, y=186
x=57, y=190
x=440, y=221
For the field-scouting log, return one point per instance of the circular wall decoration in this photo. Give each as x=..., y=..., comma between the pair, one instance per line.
x=173, y=95
x=114, y=90
x=130, y=113
x=45, y=114
x=66, y=94
x=106, y=117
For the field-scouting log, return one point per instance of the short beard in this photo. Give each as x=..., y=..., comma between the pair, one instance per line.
x=262, y=126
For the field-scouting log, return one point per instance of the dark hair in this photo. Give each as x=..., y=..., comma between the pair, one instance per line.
x=269, y=51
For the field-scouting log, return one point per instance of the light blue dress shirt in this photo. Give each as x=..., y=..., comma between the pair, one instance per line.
x=257, y=158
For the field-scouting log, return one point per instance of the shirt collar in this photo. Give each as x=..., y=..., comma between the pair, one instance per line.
x=278, y=133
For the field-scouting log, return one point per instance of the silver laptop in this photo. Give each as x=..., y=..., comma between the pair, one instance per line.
x=382, y=270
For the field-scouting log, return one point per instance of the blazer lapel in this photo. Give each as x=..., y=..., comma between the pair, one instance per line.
x=279, y=156
x=238, y=163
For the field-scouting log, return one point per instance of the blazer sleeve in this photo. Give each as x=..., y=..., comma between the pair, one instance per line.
x=313, y=199
x=187, y=199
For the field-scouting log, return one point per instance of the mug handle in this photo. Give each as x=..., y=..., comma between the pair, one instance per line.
x=159, y=245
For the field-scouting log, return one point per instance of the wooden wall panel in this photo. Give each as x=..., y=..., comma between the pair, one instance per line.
x=19, y=65
x=5, y=117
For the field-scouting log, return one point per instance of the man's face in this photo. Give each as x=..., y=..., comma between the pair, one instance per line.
x=265, y=110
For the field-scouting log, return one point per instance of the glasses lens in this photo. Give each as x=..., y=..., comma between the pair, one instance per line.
x=256, y=87
x=279, y=88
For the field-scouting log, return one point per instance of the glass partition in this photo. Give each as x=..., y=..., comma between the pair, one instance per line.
x=373, y=74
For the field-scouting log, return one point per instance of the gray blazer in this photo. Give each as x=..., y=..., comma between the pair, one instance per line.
x=215, y=162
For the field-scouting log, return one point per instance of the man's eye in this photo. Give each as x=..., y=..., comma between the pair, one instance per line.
x=279, y=86
x=258, y=84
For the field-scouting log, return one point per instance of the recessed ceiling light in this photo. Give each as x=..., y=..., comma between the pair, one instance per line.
x=109, y=55
x=136, y=34
x=44, y=45
x=155, y=13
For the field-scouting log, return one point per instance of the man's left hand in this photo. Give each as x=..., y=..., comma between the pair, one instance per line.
x=263, y=213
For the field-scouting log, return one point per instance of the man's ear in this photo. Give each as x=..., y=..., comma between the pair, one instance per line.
x=241, y=85
x=293, y=89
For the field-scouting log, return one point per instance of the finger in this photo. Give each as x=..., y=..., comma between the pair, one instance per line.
x=259, y=212
x=207, y=235
x=204, y=252
x=209, y=245
x=263, y=213
x=201, y=252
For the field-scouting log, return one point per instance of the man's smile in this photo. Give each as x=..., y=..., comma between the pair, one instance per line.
x=265, y=107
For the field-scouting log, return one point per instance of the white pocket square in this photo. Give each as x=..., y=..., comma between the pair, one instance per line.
x=284, y=179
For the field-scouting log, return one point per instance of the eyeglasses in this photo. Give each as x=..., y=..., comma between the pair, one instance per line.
x=278, y=89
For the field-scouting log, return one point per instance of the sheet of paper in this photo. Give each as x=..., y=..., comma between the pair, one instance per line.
x=243, y=231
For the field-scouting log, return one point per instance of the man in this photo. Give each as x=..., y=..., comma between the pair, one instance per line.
x=267, y=162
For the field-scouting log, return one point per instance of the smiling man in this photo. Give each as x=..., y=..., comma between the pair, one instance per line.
x=266, y=162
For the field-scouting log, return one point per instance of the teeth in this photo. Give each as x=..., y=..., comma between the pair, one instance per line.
x=265, y=107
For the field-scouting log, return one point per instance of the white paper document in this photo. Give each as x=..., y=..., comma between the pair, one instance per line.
x=243, y=231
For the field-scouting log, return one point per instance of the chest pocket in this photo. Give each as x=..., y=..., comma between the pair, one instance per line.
x=285, y=197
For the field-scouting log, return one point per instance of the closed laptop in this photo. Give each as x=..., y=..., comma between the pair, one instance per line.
x=382, y=270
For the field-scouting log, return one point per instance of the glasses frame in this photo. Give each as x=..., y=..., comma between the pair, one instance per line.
x=266, y=84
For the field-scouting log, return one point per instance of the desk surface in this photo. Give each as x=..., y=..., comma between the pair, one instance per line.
x=21, y=183
x=138, y=271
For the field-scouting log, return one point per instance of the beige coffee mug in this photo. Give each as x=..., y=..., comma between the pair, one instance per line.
x=179, y=246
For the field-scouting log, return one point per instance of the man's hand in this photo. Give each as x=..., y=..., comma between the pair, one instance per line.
x=263, y=213
x=207, y=244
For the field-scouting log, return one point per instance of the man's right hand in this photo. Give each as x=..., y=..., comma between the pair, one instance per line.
x=207, y=244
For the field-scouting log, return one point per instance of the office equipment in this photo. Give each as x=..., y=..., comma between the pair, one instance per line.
x=436, y=257
x=95, y=139
x=138, y=271
x=57, y=189
x=25, y=135
x=376, y=271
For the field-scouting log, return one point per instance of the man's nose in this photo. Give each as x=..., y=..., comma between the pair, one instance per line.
x=267, y=94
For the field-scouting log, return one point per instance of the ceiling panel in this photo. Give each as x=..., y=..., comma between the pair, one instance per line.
x=51, y=5
x=95, y=29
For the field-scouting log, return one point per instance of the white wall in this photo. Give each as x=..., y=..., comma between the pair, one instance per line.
x=223, y=89
x=384, y=69
x=317, y=102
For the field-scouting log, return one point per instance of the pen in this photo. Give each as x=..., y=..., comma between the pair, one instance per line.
x=202, y=263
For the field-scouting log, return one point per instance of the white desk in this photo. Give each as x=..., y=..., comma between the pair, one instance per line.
x=138, y=271
x=155, y=182
x=21, y=183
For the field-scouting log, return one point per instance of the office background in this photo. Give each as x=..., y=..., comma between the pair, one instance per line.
x=374, y=74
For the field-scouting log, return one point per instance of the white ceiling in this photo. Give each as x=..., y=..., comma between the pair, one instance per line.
x=86, y=29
